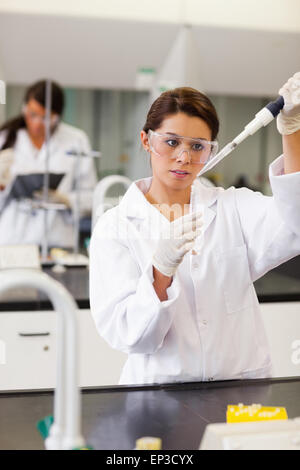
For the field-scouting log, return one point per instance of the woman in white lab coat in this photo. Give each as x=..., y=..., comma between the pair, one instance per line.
x=23, y=151
x=172, y=270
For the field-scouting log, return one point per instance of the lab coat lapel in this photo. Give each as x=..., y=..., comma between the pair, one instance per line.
x=37, y=157
x=134, y=204
x=56, y=144
x=203, y=200
x=137, y=209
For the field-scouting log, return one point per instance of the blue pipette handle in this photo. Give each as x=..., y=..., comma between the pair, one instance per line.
x=275, y=106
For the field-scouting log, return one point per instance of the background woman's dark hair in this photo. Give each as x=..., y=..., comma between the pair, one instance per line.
x=37, y=91
x=186, y=100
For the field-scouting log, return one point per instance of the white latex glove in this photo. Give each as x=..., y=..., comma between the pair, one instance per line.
x=288, y=120
x=179, y=240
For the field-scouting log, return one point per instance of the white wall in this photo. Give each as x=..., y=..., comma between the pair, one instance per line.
x=234, y=113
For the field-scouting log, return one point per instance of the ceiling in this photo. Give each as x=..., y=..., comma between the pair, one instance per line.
x=106, y=53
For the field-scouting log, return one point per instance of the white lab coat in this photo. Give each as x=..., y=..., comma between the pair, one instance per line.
x=18, y=222
x=210, y=328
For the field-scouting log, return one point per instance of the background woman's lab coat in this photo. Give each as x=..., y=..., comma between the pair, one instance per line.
x=21, y=224
x=210, y=328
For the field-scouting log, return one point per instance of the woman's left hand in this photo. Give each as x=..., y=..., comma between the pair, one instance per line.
x=54, y=196
x=288, y=120
x=60, y=198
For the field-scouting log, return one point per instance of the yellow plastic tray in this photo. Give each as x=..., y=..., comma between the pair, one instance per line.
x=242, y=413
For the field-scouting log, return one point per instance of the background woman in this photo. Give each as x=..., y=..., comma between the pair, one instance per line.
x=22, y=141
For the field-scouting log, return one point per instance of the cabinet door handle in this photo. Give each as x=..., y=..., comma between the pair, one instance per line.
x=34, y=334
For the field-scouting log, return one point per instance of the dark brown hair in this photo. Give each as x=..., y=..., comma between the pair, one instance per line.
x=37, y=91
x=185, y=100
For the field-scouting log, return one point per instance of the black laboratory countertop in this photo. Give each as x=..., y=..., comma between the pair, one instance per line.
x=75, y=280
x=282, y=284
x=113, y=418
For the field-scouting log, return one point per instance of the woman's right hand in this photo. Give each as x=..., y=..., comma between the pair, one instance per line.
x=179, y=240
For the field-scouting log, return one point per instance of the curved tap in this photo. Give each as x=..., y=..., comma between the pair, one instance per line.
x=101, y=189
x=65, y=432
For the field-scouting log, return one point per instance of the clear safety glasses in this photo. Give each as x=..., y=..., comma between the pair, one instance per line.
x=36, y=117
x=172, y=146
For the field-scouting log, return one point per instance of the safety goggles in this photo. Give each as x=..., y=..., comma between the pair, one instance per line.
x=36, y=117
x=173, y=146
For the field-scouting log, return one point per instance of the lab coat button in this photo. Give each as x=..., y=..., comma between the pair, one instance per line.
x=204, y=322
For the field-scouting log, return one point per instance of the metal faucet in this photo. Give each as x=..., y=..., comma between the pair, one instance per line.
x=100, y=191
x=65, y=432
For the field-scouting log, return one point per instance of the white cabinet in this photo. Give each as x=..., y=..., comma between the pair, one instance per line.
x=28, y=348
x=29, y=341
x=28, y=352
x=282, y=324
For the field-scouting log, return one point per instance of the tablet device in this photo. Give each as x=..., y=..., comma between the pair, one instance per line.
x=24, y=186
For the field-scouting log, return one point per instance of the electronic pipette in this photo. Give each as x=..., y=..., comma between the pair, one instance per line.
x=262, y=119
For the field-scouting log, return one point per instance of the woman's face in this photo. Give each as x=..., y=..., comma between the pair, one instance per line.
x=34, y=115
x=163, y=167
